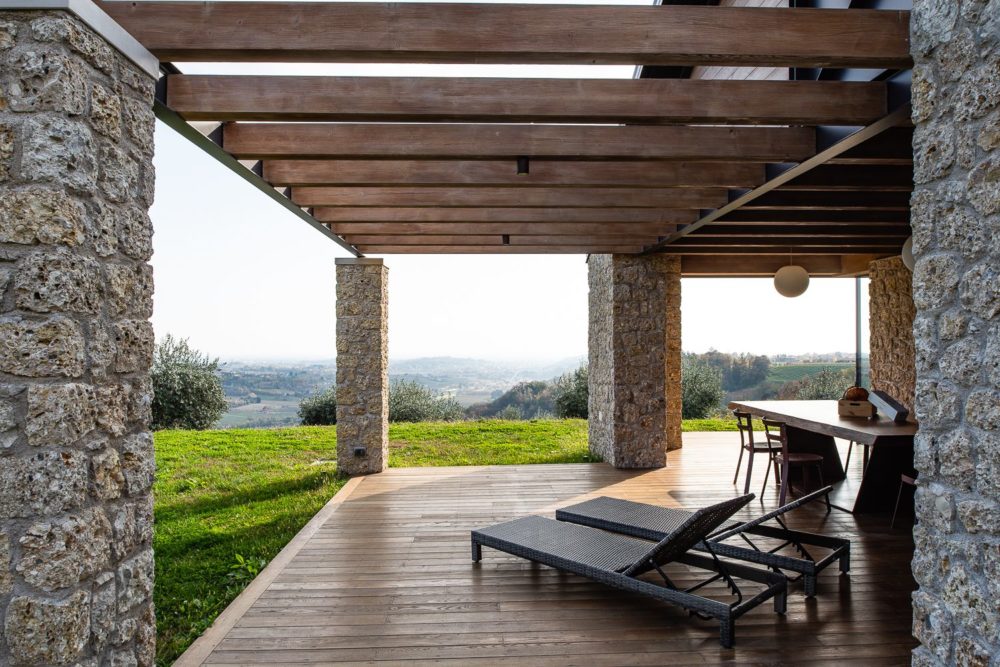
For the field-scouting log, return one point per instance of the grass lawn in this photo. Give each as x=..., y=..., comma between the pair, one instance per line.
x=228, y=501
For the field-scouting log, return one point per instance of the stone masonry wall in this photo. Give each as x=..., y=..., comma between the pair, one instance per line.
x=635, y=359
x=76, y=454
x=362, y=365
x=956, y=289
x=891, y=313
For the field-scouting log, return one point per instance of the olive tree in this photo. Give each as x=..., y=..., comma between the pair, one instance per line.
x=187, y=391
x=320, y=409
x=572, y=394
x=701, y=386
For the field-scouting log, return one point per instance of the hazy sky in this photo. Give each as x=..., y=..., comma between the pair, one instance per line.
x=243, y=278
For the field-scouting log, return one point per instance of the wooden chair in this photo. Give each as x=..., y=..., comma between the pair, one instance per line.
x=904, y=480
x=783, y=460
x=745, y=422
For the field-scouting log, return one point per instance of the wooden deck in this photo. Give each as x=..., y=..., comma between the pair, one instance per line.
x=384, y=576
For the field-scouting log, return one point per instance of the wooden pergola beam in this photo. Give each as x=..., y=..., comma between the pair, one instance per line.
x=566, y=248
x=494, y=100
x=504, y=173
x=499, y=214
x=498, y=240
x=501, y=33
x=501, y=228
x=723, y=265
x=679, y=198
x=809, y=217
x=866, y=231
x=854, y=200
x=265, y=141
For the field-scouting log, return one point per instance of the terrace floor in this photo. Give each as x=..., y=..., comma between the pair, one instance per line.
x=383, y=575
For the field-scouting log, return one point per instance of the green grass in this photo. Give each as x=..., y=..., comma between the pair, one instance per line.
x=223, y=494
x=488, y=442
x=227, y=501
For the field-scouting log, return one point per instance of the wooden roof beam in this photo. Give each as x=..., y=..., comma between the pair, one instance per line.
x=502, y=214
x=679, y=198
x=501, y=228
x=563, y=248
x=495, y=100
x=744, y=266
x=504, y=173
x=519, y=33
x=264, y=141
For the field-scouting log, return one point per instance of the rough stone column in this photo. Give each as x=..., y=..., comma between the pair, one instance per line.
x=890, y=319
x=634, y=359
x=362, y=366
x=956, y=289
x=76, y=454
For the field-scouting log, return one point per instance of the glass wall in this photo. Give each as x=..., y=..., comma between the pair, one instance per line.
x=862, y=362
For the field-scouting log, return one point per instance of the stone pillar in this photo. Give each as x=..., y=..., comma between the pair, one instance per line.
x=362, y=366
x=634, y=359
x=956, y=290
x=890, y=318
x=76, y=453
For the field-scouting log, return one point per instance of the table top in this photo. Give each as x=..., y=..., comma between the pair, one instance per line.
x=822, y=417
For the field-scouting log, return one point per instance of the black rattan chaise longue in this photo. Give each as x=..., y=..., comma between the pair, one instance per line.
x=617, y=560
x=650, y=522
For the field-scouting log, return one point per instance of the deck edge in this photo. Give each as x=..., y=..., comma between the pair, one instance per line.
x=204, y=645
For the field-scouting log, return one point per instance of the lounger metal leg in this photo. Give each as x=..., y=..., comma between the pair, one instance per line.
x=477, y=551
x=845, y=562
x=809, y=585
x=727, y=632
x=781, y=602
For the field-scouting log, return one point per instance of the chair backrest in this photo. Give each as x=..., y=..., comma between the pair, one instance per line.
x=774, y=431
x=744, y=420
x=695, y=529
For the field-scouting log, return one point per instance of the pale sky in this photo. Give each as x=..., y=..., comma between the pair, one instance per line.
x=243, y=278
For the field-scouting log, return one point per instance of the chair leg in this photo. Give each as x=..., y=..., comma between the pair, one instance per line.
x=822, y=483
x=847, y=461
x=784, y=483
x=895, y=510
x=739, y=462
x=767, y=471
x=750, y=458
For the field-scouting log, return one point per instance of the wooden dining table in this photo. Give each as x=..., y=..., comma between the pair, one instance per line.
x=811, y=427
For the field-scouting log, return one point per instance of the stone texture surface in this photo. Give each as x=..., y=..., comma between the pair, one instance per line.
x=362, y=366
x=635, y=359
x=76, y=459
x=956, y=291
x=891, y=313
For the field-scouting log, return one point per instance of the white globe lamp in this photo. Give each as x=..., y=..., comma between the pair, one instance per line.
x=791, y=281
x=907, y=254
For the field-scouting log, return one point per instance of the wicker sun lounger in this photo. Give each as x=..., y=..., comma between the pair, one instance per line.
x=651, y=522
x=618, y=560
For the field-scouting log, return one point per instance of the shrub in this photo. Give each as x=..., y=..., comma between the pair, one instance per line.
x=413, y=402
x=701, y=387
x=187, y=392
x=572, y=394
x=320, y=409
x=510, y=413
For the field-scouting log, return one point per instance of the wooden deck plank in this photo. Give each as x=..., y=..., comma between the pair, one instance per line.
x=387, y=580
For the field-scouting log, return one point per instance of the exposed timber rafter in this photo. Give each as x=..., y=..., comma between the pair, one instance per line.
x=498, y=173
x=508, y=34
x=262, y=141
x=492, y=100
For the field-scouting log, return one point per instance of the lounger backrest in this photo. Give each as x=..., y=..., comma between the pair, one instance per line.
x=787, y=507
x=693, y=530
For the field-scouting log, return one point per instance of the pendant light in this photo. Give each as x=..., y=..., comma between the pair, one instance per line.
x=792, y=280
x=907, y=254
